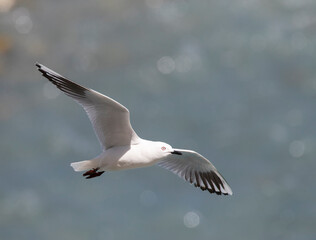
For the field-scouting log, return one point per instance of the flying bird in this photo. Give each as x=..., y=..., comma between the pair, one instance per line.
x=122, y=148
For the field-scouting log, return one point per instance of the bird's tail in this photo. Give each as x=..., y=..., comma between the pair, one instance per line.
x=84, y=165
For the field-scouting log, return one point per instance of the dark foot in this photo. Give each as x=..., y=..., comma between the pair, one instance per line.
x=93, y=173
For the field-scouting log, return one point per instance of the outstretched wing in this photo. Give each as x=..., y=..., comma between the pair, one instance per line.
x=196, y=169
x=110, y=119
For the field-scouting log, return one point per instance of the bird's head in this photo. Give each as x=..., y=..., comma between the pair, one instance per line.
x=164, y=149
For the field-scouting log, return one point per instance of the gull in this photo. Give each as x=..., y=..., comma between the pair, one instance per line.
x=123, y=149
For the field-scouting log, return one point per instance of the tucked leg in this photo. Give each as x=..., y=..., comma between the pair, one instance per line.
x=93, y=173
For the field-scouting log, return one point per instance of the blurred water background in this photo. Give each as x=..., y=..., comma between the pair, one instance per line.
x=233, y=80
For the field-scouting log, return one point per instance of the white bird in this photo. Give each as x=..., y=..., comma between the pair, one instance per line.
x=123, y=149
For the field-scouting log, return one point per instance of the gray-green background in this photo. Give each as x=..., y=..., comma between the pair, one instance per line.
x=233, y=80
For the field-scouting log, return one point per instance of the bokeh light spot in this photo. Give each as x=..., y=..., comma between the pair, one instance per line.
x=191, y=219
x=166, y=65
x=22, y=20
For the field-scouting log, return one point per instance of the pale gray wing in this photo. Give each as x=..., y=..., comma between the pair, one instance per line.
x=110, y=119
x=196, y=169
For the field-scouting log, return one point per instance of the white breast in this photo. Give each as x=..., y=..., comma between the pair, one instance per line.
x=128, y=157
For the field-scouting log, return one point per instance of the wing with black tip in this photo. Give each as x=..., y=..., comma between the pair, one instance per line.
x=110, y=119
x=196, y=169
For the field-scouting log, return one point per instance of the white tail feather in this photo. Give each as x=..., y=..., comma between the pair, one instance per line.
x=83, y=165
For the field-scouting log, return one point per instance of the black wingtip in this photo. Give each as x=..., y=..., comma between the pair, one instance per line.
x=41, y=69
x=38, y=65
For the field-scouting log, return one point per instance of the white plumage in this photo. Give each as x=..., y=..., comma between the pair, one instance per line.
x=123, y=149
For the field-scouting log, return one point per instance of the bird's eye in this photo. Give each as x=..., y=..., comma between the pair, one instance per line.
x=163, y=148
